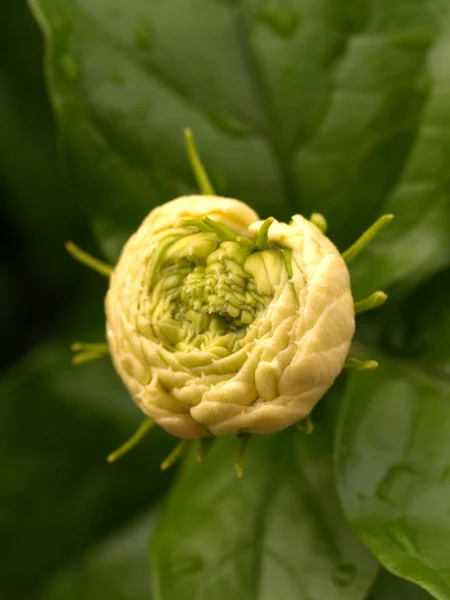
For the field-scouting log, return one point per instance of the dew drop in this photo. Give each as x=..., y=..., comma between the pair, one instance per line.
x=70, y=67
x=393, y=488
x=280, y=17
x=143, y=36
x=344, y=575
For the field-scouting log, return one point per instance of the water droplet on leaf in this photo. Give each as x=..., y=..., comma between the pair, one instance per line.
x=281, y=17
x=70, y=67
x=344, y=575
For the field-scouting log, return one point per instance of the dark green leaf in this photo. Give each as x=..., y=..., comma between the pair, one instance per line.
x=116, y=569
x=58, y=495
x=276, y=533
x=295, y=107
x=393, y=468
x=421, y=329
x=389, y=587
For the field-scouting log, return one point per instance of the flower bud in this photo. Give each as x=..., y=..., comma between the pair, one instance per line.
x=219, y=323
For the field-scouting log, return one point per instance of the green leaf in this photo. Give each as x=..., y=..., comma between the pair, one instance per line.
x=125, y=88
x=30, y=170
x=389, y=587
x=58, y=495
x=116, y=569
x=295, y=107
x=276, y=533
x=420, y=331
x=393, y=470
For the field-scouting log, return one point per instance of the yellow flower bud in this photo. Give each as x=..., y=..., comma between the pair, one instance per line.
x=219, y=323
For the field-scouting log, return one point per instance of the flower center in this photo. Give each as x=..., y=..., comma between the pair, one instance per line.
x=207, y=287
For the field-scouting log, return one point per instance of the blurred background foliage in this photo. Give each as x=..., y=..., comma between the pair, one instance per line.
x=58, y=496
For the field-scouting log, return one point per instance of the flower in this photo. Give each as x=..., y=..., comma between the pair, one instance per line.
x=219, y=323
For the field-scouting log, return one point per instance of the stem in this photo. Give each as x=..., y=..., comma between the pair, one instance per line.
x=134, y=440
x=88, y=260
x=352, y=252
x=197, y=166
x=375, y=300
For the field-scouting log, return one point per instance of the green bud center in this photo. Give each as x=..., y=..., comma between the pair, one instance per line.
x=208, y=285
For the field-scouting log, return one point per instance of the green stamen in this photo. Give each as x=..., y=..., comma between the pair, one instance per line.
x=319, y=221
x=246, y=243
x=82, y=346
x=239, y=465
x=205, y=446
x=84, y=357
x=360, y=365
x=224, y=233
x=197, y=166
x=175, y=455
x=305, y=426
x=89, y=261
x=211, y=279
x=134, y=440
x=352, y=252
x=196, y=223
x=156, y=260
x=375, y=300
x=287, y=257
x=262, y=240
